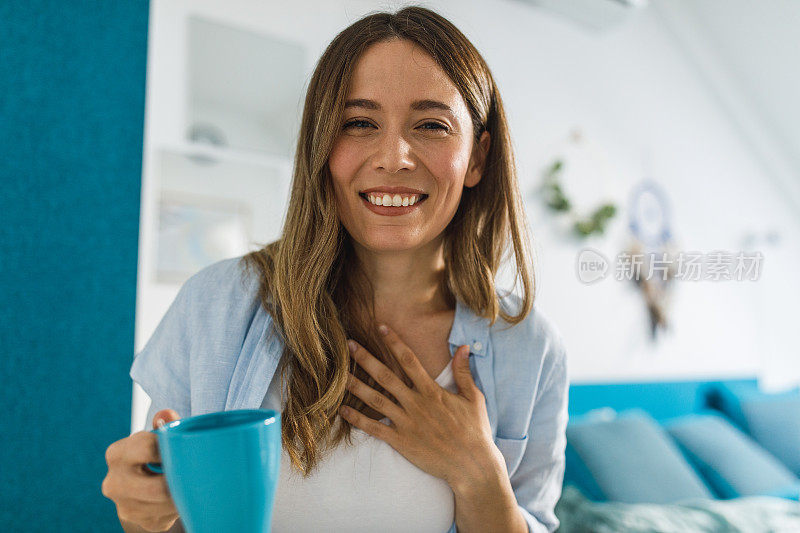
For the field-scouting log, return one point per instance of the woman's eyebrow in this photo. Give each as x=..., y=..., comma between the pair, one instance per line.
x=424, y=105
x=362, y=102
x=417, y=105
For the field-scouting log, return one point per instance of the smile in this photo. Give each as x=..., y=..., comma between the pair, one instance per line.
x=400, y=204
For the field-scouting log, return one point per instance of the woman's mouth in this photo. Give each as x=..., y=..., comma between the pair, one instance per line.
x=407, y=203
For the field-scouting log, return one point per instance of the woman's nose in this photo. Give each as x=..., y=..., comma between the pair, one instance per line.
x=394, y=153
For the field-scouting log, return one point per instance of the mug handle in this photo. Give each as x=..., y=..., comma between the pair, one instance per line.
x=155, y=468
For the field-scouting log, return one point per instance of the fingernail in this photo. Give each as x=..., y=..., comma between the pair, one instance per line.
x=352, y=345
x=383, y=329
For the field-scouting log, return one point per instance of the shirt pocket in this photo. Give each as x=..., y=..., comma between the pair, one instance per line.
x=512, y=450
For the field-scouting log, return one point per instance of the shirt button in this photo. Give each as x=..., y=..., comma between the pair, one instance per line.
x=477, y=345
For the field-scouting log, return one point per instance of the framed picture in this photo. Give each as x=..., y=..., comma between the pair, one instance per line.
x=195, y=231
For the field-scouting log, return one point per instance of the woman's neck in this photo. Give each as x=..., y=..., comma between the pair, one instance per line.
x=407, y=284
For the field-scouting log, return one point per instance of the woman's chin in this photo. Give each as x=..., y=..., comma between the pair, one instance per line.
x=393, y=243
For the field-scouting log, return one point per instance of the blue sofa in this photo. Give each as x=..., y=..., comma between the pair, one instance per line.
x=666, y=455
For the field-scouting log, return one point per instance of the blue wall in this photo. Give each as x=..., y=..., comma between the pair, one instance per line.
x=72, y=85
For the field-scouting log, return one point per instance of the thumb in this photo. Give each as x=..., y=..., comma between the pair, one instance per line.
x=164, y=416
x=462, y=372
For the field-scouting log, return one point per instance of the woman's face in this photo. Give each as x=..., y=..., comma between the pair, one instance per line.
x=406, y=133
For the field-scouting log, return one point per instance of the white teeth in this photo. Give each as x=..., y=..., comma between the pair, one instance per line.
x=395, y=201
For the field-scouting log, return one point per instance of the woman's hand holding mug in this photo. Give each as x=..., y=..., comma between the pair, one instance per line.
x=142, y=497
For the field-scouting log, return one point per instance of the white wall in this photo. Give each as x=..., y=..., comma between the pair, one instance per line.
x=636, y=95
x=648, y=112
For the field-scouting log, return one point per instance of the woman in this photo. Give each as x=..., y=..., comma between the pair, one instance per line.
x=403, y=200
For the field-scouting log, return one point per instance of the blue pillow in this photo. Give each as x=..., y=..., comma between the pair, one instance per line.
x=732, y=463
x=630, y=459
x=773, y=420
x=576, y=473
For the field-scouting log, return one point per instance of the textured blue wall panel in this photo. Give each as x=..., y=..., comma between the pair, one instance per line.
x=72, y=85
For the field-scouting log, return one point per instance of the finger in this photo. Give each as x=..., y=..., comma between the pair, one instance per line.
x=148, y=516
x=149, y=488
x=408, y=360
x=462, y=373
x=139, y=487
x=381, y=373
x=368, y=425
x=164, y=416
x=158, y=517
x=142, y=448
x=373, y=398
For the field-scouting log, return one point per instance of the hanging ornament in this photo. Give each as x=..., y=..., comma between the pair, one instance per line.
x=590, y=167
x=650, y=256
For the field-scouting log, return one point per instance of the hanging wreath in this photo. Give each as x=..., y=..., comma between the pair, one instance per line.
x=558, y=201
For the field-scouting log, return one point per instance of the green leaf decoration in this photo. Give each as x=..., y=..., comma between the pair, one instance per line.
x=584, y=227
x=604, y=213
x=555, y=167
x=558, y=201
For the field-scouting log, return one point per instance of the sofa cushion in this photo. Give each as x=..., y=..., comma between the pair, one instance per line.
x=629, y=458
x=772, y=419
x=731, y=462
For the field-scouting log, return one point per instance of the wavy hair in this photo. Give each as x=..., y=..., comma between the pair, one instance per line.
x=310, y=279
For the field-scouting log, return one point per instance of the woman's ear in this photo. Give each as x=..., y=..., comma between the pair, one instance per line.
x=477, y=160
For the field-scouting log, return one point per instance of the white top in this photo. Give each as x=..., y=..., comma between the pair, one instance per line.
x=368, y=486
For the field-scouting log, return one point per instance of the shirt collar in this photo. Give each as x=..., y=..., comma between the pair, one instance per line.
x=468, y=328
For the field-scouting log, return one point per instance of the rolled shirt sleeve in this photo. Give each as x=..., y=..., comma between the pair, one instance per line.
x=161, y=368
x=538, y=479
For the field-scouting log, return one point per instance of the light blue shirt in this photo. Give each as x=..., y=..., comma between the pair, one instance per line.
x=215, y=350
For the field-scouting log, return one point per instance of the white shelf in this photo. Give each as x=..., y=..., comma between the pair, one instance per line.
x=247, y=85
x=213, y=154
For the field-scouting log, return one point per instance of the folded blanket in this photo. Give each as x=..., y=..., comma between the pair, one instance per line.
x=751, y=514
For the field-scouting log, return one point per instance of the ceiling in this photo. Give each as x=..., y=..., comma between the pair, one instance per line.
x=758, y=43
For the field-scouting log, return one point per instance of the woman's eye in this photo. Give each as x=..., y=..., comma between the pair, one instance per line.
x=353, y=123
x=436, y=126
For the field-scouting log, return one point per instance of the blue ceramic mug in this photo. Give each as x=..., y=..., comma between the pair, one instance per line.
x=222, y=469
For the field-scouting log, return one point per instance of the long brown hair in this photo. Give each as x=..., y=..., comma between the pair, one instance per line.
x=315, y=302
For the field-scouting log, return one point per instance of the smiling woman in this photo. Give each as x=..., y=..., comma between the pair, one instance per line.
x=404, y=204
x=415, y=111
x=405, y=199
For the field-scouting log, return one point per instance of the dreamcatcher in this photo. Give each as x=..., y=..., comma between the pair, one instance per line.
x=648, y=261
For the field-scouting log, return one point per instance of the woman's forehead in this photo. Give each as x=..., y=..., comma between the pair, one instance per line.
x=400, y=67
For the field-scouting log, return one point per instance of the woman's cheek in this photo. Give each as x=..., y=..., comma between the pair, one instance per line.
x=335, y=166
x=340, y=159
x=448, y=161
x=450, y=180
